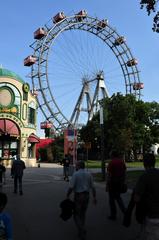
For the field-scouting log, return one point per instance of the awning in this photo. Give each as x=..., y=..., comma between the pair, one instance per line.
x=33, y=138
x=8, y=127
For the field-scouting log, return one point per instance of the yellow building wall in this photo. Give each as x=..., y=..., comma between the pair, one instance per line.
x=25, y=129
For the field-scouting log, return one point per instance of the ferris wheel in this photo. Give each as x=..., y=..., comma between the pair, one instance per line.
x=76, y=61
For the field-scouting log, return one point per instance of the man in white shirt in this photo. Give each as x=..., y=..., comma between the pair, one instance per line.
x=81, y=184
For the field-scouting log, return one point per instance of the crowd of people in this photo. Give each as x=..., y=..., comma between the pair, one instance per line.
x=144, y=199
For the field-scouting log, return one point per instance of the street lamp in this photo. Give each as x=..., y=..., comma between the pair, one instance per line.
x=102, y=141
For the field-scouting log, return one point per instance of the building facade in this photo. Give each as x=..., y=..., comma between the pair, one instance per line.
x=18, y=111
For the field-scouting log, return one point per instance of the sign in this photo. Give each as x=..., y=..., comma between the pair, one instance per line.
x=87, y=145
x=45, y=125
x=70, y=144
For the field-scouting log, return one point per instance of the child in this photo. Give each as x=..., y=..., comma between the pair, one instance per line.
x=5, y=221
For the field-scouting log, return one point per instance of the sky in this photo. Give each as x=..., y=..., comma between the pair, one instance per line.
x=19, y=19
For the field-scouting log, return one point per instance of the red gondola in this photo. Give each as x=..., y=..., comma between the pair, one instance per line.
x=119, y=41
x=81, y=15
x=138, y=86
x=132, y=62
x=39, y=33
x=46, y=125
x=30, y=60
x=59, y=17
x=102, y=24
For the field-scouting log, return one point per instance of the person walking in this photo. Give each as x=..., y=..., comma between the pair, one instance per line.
x=14, y=157
x=17, y=170
x=5, y=220
x=146, y=195
x=116, y=172
x=2, y=173
x=81, y=183
x=66, y=164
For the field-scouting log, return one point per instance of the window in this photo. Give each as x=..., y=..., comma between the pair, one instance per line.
x=31, y=115
x=25, y=96
x=13, y=145
x=7, y=147
x=6, y=144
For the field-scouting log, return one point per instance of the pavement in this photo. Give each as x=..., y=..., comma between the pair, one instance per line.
x=35, y=215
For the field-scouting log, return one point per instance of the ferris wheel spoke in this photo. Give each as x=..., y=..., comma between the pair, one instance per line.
x=80, y=55
x=74, y=59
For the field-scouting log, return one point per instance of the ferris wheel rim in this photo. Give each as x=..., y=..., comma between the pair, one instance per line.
x=69, y=23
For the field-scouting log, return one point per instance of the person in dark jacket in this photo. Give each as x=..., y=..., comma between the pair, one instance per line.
x=116, y=172
x=17, y=170
x=146, y=193
x=66, y=164
x=2, y=172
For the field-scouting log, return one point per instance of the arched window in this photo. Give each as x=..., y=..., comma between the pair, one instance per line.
x=32, y=113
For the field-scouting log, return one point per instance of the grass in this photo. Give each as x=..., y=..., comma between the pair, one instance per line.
x=131, y=177
x=93, y=164
x=97, y=164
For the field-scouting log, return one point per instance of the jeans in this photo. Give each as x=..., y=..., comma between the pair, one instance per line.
x=17, y=180
x=81, y=204
x=66, y=172
x=112, y=198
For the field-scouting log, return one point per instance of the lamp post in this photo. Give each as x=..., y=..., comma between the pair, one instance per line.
x=102, y=141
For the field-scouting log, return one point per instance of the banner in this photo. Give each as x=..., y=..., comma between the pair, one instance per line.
x=70, y=144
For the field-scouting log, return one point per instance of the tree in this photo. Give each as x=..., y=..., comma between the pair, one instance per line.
x=151, y=6
x=91, y=133
x=57, y=148
x=130, y=125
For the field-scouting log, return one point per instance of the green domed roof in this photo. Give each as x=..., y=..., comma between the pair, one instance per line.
x=10, y=74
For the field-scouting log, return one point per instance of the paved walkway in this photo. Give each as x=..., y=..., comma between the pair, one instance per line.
x=35, y=215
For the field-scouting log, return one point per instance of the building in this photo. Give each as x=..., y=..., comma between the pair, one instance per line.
x=18, y=108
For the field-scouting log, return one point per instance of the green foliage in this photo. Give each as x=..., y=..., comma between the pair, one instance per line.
x=58, y=146
x=120, y=122
x=151, y=7
x=130, y=126
x=43, y=154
